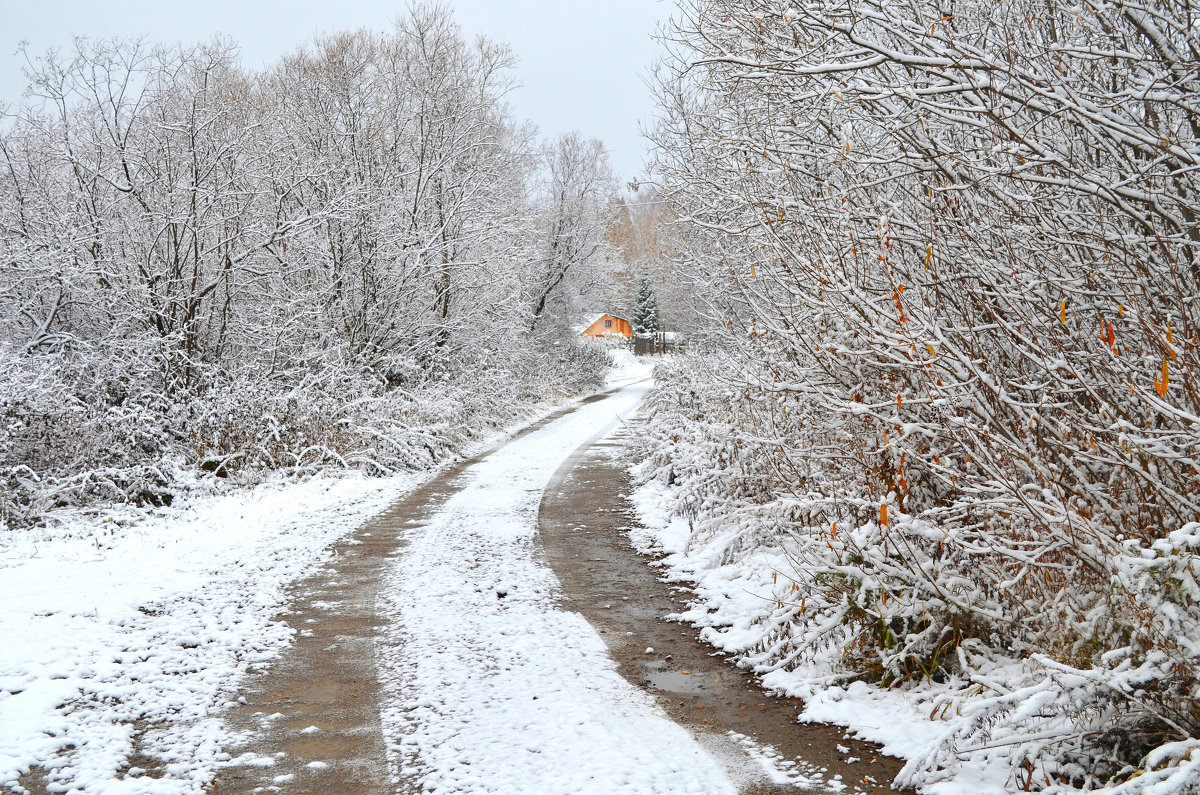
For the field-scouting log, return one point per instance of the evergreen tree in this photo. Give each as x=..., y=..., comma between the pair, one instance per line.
x=645, y=309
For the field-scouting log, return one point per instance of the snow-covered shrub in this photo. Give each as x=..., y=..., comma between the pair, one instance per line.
x=958, y=386
x=81, y=430
x=81, y=427
x=278, y=271
x=904, y=602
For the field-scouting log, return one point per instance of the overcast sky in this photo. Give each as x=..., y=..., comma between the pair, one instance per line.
x=582, y=65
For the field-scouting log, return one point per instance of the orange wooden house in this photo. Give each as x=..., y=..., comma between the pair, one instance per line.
x=608, y=326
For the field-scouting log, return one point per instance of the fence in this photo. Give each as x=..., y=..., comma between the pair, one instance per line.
x=657, y=343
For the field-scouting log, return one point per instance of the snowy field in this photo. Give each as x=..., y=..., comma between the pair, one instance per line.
x=119, y=623
x=135, y=627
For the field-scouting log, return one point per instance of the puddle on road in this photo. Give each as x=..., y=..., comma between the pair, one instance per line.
x=675, y=682
x=583, y=526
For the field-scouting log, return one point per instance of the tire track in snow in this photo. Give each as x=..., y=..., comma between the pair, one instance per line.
x=310, y=720
x=488, y=685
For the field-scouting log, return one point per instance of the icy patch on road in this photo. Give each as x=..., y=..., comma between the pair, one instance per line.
x=489, y=685
x=144, y=624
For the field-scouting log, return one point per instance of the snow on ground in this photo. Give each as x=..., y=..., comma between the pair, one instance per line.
x=629, y=369
x=128, y=631
x=489, y=685
x=730, y=600
x=110, y=625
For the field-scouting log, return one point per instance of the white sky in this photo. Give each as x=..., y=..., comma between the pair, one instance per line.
x=582, y=65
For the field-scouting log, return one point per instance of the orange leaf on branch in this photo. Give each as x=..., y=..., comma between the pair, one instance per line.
x=1161, y=383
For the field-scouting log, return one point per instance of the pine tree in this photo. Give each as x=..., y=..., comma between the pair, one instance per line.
x=645, y=310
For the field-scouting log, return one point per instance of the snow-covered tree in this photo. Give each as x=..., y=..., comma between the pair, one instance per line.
x=325, y=262
x=949, y=252
x=645, y=309
x=575, y=203
x=643, y=232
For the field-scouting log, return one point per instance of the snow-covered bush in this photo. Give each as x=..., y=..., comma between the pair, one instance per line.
x=908, y=602
x=338, y=261
x=82, y=428
x=957, y=387
x=76, y=434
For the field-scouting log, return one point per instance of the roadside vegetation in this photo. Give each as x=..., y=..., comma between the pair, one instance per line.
x=949, y=256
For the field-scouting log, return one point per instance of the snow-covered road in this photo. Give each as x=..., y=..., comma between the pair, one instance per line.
x=488, y=686
x=125, y=635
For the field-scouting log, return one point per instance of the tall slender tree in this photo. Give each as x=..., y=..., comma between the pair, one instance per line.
x=576, y=202
x=645, y=309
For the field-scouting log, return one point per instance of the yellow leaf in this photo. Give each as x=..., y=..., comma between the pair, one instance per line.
x=1161, y=384
x=929, y=347
x=883, y=520
x=1062, y=313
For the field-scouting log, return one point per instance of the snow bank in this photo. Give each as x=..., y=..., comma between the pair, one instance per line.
x=959, y=735
x=732, y=601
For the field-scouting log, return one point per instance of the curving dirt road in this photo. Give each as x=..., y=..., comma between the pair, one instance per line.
x=498, y=620
x=311, y=721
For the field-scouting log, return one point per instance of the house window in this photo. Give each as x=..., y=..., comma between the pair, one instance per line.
x=608, y=324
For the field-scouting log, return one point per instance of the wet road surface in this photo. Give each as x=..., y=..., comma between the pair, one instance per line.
x=311, y=720
x=583, y=527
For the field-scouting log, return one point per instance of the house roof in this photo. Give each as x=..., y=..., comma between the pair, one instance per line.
x=597, y=318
